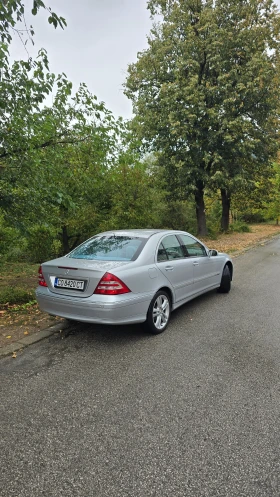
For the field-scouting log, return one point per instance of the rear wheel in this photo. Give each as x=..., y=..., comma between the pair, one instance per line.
x=159, y=313
x=225, y=281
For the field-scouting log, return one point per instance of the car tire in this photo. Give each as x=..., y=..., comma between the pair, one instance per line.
x=158, y=313
x=225, y=281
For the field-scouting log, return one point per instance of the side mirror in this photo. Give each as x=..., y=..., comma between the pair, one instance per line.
x=213, y=253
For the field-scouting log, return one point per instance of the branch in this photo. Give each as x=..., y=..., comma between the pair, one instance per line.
x=46, y=144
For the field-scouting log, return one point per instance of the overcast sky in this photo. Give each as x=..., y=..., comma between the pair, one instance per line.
x=102, y=37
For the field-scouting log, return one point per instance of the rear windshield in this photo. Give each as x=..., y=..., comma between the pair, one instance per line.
x=109, y=248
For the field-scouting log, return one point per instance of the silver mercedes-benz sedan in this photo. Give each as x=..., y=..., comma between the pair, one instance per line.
x=131, y=276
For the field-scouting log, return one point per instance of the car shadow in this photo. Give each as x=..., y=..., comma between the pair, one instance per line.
x=113, y=334
x=119, y=334
x=193, y=304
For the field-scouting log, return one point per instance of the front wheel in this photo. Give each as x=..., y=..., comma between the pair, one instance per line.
x=159, y=313
x=225, y=281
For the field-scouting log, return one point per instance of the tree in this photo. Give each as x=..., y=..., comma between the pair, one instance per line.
x=25, y=84
x=54, y=160
x=250, y=106
x=55, y=163
x=205, y=93
x=66, y=170
x=273, y=205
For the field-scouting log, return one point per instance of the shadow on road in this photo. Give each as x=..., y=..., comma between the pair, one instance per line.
x=133, y=333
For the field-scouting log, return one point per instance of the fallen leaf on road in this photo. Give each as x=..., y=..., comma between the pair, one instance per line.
x=9, y=336
x=14, y=355
x=25, y=333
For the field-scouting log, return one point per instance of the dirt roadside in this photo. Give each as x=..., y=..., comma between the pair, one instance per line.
x=18, y=324
x=234, y=243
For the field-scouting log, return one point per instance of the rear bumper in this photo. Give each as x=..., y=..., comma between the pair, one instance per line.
x=120, y=309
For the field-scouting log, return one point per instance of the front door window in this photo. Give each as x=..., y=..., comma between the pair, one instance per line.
x=192, y=247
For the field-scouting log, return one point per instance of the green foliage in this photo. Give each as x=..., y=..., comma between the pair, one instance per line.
x=12, y=243
x=256, y=217
x=24, y=84
x=272, y=205
x=251, y=202
x=42, y=244
x=205, y=91
x=133, y=197
x=213, y=214
x=178, y=215
x=204, y=94
x=57, y=164
x=66, y=170
x=13, y=12
x=15, y=295
x=240, y=227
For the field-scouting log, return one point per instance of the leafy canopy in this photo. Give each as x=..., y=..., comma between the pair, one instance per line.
x=205, y=91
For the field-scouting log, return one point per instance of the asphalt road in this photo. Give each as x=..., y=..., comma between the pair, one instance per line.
x=114, y=412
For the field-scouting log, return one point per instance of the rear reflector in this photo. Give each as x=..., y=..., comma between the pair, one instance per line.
x=41, y=277
x=111, y=285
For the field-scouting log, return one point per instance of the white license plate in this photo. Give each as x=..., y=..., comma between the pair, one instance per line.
x=69, y=284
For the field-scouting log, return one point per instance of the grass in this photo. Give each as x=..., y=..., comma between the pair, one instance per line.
x=13, y=273
x=15, y=295
x=17, y=283
x=19, y=312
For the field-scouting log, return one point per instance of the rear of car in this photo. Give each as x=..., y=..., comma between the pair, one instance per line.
x=100, y=281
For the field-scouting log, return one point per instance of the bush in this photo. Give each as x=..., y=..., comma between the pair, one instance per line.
x=15, y=295
x=240, y=227
x=42, y=244
x=213, y=230
x=254, y=217
x=12, y=243
x=177, y=215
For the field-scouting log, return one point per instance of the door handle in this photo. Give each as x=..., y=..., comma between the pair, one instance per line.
x=168, y=268
x=195, y=263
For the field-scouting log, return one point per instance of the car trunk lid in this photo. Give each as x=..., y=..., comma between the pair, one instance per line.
x=76, y=277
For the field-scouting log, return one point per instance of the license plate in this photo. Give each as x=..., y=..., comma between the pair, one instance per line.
x=69, y=284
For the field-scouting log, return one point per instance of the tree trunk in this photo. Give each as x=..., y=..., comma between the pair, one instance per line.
x=225, y=209
x=65, y=240
x=200, y=209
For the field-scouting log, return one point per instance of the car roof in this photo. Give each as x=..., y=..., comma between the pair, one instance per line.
x=143, y=233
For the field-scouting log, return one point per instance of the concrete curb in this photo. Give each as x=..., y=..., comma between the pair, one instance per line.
x=36, y=337
x=47, y=332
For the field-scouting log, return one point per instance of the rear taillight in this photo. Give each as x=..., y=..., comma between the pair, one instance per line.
x=111, y=285
x=41, y=277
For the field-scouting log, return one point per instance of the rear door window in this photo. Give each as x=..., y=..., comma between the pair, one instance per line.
x=162, y=254
x=170, y=249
